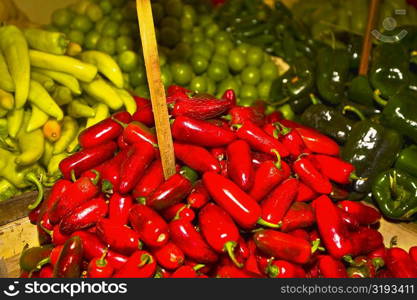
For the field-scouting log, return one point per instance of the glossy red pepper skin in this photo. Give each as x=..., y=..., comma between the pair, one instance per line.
x=219, y=230
x=285, y=269
x=300, y=233
x=241, y=207
x=110, y=172
x=317, y=142
x=219, y=153
x=78, y=193
x=240, y=164
x=259, y=140
x=196, y=157
x=171, y=192
x=203, y=107
x=46, y=272
x=199, y=196
x=333, y=231
x=231, y=271
x=99, y=268
x=150, y=181
x=191, y=242
x=258, y=158
x=201, y=133
x=283, y=246
x=87, y=159
x=294, y=143
x=274, y=117
x=276, y=205
x=57, y=191
x=413, y=253
x=299, y=215
x=94, y=247
x=138, y=159
x=177, y=91
x=103, y=131
x=309, y=174
x=178, y=211
x=58, y=238
x=400, y=264
x=70, y=259
x=267, y=177
x=119, y=207
x=137, y=132
x=366, y=240
x=364, y=214
x=305, y=193
x=251, y=264
x=144, y=113
x=121, y=143
x=120, y=238
x=350, y=221
x=151, y=227
x=84, y=216
x=169, y=256
x=380, y=253
x=333, y=168
x=241, y=114
x=53, y=257
x=331, y=268
x=140, y=264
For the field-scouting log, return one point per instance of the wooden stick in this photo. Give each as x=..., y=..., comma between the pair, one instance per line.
x=367, y=40
x=156, y=87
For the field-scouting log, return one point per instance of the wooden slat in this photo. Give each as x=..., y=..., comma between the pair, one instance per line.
x=15, y=208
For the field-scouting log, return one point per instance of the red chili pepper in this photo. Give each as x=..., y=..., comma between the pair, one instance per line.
x=110, y=172
x=350, y=221
x=338, y=193
x=53, y=257
x=172, y=191
x=86, y=159
x=137, y=132
x=104, y=131
x=140, y=264
x=400, y=264
x=413, y=253
x=191, y=242
x=203, y=106
x=202, y=269
x=300, y=233
x=365, y=240
x=267, y=177
x=93, y=248
x=258, y=158
x=179, y=211
x=317, y=142
x=187, y=272
x=196, y=157
x=224, y=168
x=294, y=143
x=305, y=193
x=219, y=153
x=57, y=191
x=274, y=117
x=201, y=133
x=84, y=216
x=151, y=227
x=161, y=273
x=240, y=164
x=332, y=230
x=276, y=205
x=144, y=113
x=78, y=193
x=251, y=262
x=176, y=90
x=363, y=267
x=331, y=268
x=259, y=140
x=58, y=238
x=231, y=271
x=34, y=215
x=100, y=268
x=241, y=207
x=311, y=176
x=285, y=269
x=199, y=196
x=121, y=143
x=241, y=115
x=283, y=246
x=299, y=215
x=333, y=168
x=380, y=253
x=169, y=256
x=150, y=181
x=133, y=168
x=219, y=231
x=119, y=207
x=46, y=272
x=120, y=238
x=364, y=214
x=70, y=259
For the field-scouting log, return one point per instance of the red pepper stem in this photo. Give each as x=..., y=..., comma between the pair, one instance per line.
x=378, y=99
x=44, y=229
x=272, y=271
x=102, y=262
x=282, y=129
x=264, y=223
x=106, y=187
x=198, y=267
x=356, y=111
x=141, y=200
x=315, y=245
x=177, y=215
x=124, y=125
x=230, y=249
x=43, y=262
x=227, y=117
x=378, y=262
x=144, y=260
x=73, y=177
x=353, y=176
x=236, y=126
x=349, y=259
x=31, y=177
x=97, y=178
x=278, y=162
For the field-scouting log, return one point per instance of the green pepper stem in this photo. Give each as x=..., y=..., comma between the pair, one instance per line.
x=314, y=100
x=102, y=262
x=230, y=249
x=236, y=126
x=177, y=215
x=124, y=125
x=272, y=271
x=97, y=178
x=315, y=245
x=198, y=267
x=144, y=260
x=353, y=176
x=355, y=111
x=264, y=223
x=73, y=177
x=189, y=173
x=227, y=117
x=378, y=262
x=141, y=200
x=378, y=99
x=31, y=177
x=278, y=162
x=281, y=129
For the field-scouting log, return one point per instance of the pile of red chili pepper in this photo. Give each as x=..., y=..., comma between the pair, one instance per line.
x=254, y=196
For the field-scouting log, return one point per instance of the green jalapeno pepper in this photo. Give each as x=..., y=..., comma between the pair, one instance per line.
x=395, y=193
x=32, y=259
x=371, y=148
x=360, y=91
x=407, y=160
